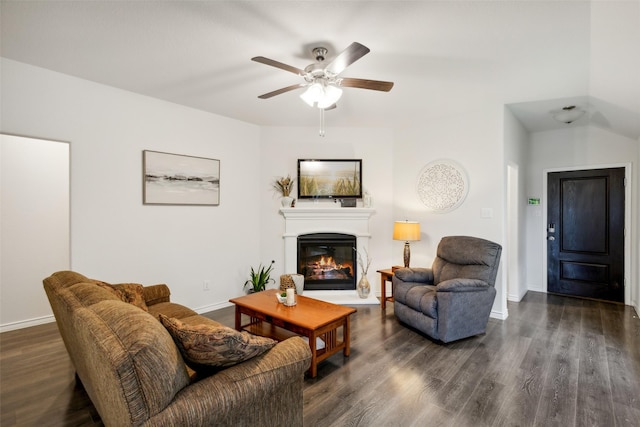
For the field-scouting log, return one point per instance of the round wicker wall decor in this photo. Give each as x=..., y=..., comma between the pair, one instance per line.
x=442, y=185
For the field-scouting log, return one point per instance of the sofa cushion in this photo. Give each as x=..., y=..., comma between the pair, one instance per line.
x=88, y=293
x=423, y=299
x=468, y=257
x=207, y=347
x=171, y=309
x=125, y=353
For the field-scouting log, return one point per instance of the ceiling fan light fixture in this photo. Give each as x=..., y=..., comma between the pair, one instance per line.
x=331, y=95
x=313, y=93
x=321, y=95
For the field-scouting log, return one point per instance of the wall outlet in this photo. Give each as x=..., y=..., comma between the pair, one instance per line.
x=205, y=285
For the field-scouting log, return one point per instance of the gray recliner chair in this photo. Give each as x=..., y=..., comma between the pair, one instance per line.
x=452, y=299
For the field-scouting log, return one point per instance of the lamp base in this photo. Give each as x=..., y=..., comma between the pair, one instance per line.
x=407, y=254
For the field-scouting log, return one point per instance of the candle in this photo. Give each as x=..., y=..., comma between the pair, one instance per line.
x=291, y=296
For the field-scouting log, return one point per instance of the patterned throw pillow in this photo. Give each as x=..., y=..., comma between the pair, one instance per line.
x=110, y=288
x=207, y=348
x=133, y=293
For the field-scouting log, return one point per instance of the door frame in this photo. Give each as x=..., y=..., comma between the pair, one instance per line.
x=627, y=220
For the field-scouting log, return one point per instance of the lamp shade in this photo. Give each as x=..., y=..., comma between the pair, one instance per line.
x=406, y=230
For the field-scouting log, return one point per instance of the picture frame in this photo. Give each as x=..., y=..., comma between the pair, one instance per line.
x=329, y=178
x=178, y=179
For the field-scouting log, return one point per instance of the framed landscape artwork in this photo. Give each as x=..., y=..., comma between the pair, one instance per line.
x=175, y=179
x=329, y=178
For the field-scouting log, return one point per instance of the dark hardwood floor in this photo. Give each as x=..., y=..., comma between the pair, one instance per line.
x=555, y=361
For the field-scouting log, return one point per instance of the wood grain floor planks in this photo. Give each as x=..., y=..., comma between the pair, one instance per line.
x=555, y=361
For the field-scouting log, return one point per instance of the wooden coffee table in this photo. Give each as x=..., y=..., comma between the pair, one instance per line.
x=309, y=317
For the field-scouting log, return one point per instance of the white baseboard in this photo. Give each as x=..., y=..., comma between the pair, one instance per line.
x=212, y=307
x=517, y=298
x=498, y=315
x=21, y=324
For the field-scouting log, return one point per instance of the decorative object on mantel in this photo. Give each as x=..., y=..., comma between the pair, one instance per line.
x=259, y=279
x=283, y=185
x=363, y=287
x=407, y=231
x=442, y=185
x=347, y=203
x=367, y=200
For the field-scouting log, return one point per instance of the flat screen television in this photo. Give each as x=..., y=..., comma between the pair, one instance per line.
x=329, y=178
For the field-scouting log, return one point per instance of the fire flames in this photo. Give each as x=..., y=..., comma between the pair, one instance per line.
x=328, y=266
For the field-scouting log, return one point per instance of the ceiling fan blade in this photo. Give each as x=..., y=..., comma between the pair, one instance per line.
x=366, y=84
x=347, y=57
x=280, y=91
x=267, y=61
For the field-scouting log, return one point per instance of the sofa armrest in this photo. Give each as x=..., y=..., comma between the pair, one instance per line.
x=240, y=394
x=462, y=285
x=420, y=275
x=156, y=293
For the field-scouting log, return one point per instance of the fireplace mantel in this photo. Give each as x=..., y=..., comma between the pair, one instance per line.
x=302, y=220
x=305, y=220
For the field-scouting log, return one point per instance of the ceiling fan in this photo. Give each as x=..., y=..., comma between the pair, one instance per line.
x=323, y=80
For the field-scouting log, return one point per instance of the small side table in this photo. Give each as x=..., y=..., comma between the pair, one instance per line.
x=386, y=275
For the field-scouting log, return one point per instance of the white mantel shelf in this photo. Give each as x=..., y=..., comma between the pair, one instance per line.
x=302, y=220
x=313, y=212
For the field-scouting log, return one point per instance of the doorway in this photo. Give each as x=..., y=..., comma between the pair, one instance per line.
x=585, y=233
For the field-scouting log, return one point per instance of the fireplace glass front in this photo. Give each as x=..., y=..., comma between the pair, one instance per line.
x=327, y=261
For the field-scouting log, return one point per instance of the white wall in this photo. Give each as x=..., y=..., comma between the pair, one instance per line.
x=114, y=237
x=570, y=148
x=516, y=140
x=614, y=60
x=34, y=223
x=475, y=141
x=282, y=147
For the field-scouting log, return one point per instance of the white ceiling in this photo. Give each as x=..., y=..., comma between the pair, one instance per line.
x=445, y=57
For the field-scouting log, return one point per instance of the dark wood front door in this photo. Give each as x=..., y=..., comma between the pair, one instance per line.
x=585, y=233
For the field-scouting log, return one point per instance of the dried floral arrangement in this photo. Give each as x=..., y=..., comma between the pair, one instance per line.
x=283, y=185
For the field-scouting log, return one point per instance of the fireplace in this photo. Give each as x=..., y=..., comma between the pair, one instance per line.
x=327, y=261
x=310, y=218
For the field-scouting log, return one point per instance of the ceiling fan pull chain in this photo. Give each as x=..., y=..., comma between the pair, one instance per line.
x=321, y=121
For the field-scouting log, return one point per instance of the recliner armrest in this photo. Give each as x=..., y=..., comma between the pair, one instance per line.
x=155, y=294
x=422, y=275
x=462, y=285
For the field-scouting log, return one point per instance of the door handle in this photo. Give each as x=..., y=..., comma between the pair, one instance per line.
x=551, y=238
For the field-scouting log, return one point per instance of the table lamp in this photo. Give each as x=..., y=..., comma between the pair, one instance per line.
x=407, y=231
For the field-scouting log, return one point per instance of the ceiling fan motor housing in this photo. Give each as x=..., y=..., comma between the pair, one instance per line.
x=320, y=53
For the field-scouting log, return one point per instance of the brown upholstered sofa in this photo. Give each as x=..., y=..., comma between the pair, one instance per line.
x=135, y=375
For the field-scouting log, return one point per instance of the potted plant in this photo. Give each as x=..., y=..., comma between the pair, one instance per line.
x=258, y=279
x=283, y=186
